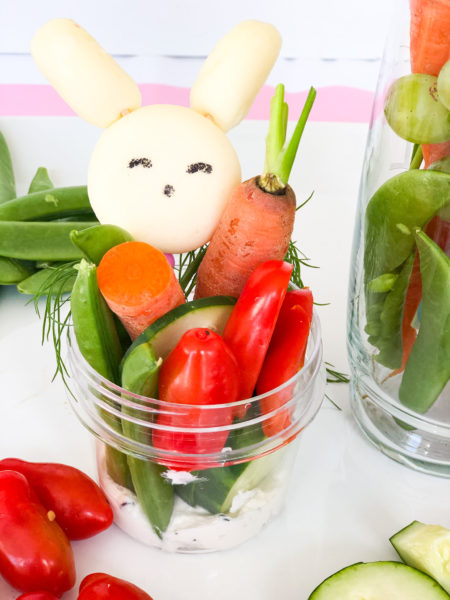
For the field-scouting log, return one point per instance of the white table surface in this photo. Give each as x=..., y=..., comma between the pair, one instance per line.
x=345, y=499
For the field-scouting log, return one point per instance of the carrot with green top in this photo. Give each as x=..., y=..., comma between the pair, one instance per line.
x=138, y=284
x=257, y=223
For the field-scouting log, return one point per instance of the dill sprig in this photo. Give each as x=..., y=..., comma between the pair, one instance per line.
x=187, y=267
x=333, y=402
x=55, y=320
x=297, y=259
x=336, y=376
x=305, y=201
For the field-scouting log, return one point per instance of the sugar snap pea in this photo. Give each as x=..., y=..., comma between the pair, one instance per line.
x=401, y=205
x=99, y=344
x=47, y=205
x=155, y=494
x=12, y=271
x=95, y=241
x=36, y=283
x=389, y=339
x=39, y=241
x=40, y=182
x=428, y=368
x=7, y=182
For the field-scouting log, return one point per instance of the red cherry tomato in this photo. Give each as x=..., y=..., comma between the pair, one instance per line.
x=35, y=553
x=37, y=596
x=79, y=504
x=200, y=371
x=100, y=586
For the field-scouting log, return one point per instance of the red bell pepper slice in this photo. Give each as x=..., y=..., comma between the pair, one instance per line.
x=35, y=553
x=252, y=322
x=285, y=356
x=100, y=586
x=79, y=504
x=201, y=370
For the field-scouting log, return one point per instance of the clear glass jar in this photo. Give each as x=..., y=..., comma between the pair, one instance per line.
x=405, y=426
x=195, y=502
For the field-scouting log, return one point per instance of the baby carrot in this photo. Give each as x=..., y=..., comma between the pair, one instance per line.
x=257, y=222
x=138, y=284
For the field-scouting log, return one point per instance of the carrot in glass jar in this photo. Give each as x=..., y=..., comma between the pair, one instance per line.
x=257, y=223
x=138, y=284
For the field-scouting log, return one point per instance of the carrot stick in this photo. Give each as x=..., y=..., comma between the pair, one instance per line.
x=138, y=285
x=429, y=35
x=430, y=50
x=258, y=220
x=434, y=152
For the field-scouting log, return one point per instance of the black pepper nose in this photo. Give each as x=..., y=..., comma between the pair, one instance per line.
x=169, y=190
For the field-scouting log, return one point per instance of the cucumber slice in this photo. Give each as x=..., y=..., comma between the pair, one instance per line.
x=427, y=548
x=166, y=331
x=384, y=580
x=216, y=488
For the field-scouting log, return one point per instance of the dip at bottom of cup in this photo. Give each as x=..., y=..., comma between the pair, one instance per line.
x=196, y=503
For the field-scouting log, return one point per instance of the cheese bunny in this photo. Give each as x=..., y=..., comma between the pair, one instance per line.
x=162, y=172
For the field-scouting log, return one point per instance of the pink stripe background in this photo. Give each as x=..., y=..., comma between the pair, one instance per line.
x=334, y=103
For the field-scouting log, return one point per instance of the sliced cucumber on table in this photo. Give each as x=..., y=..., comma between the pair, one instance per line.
x=384, y=580
x=427, y=548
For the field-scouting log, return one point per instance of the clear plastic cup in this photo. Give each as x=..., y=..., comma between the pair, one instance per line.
x=184, y=502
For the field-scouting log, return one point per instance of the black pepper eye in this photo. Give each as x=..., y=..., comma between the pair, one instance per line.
x=199, y=166
x=143, y=162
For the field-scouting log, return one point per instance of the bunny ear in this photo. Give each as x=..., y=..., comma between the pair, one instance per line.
x=84, y=74
x=234, y=72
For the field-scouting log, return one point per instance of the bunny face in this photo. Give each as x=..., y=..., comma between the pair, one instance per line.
x=164, y=174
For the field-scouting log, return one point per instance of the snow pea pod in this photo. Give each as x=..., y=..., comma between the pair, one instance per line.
x=47, y=205
x=155, y=494
x=99, y=344
x=389, y=338
x=40, y=281
x=39, y=241
x=12, y=271
x=7, y=182
x=428, y=368
x=41, y=181
x=95, y=241
x=400, y=206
